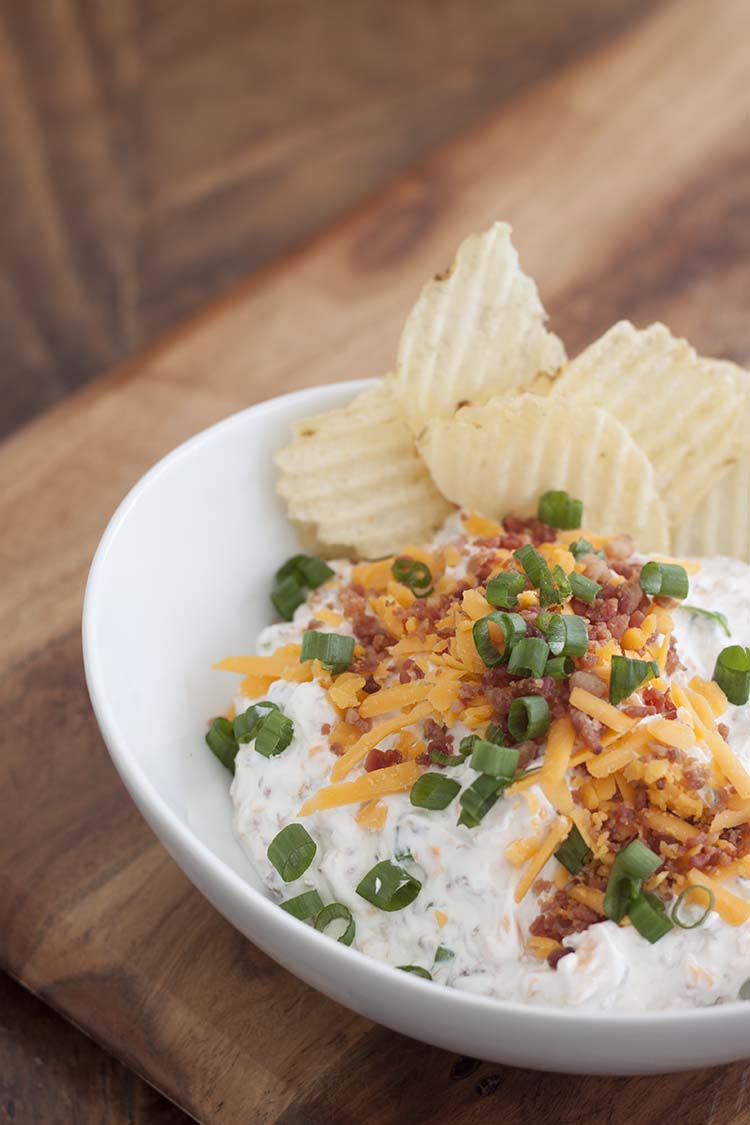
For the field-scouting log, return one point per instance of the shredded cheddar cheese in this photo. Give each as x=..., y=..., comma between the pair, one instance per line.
x=379, y=783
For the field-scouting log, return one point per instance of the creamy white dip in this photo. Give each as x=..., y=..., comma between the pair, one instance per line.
x=464, y=873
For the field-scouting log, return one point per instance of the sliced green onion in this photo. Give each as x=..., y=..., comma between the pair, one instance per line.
x=307, y=570
x=388, y=886
x=291, y=852
x=529, y=657
x=528, y=718
x=538, y=574
x=567, y=635
x=559, y=509
x=583, y=588
x=631, y=865
x=732, y=673
x=442, y=953
x=503, y=589
x=574, y=853
x=337, y=912
x=478, y=798
x=442, y=759
x=582, y=547
x=495, y=734
x=247, y=724
x=676, y=908
x=333, y=649
x=304, y=906
x=648, y=914
x=401, y=568
x=497, y=761
x=420, y=580
x=511, y=625
x=666, y=580
x=433, y=791
x=222, y=743
x=416, y=575
x=275, y=733
x=559, y=667
x=714, y=615
x=417, y=970
x=314, y=571
x=286, y=596
x=627, y=675
x=562, y=584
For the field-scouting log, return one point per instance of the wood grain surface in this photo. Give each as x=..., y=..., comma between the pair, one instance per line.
x=626, y=178
x=153, y=153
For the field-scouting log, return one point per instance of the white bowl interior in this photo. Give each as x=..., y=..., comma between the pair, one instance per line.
x=187, y=582
x=181, y=578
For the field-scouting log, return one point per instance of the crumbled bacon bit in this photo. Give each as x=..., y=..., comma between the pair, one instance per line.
x=354, y=719
x=371, y=685
x=556, y=956
x=326, y=728
x=673, y=662
x=536, y=531
x=588, y=730
x=379, y=759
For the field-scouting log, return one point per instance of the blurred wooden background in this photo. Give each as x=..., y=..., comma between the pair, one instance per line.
x=152, y=152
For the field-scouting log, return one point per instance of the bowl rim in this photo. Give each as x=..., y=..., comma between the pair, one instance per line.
x=306, y=937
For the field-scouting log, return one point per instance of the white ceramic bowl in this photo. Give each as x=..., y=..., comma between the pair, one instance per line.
x=181, y=577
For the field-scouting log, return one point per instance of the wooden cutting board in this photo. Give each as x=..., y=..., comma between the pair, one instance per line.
x=627, y=179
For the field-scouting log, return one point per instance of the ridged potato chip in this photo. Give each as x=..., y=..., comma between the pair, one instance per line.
x=499, y=458
x=476, y=331
x=354, y=473
x=680, y=408
x=720, y=524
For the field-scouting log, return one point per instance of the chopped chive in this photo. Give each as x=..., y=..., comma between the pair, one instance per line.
x=631, y=865
x=337, y=912
x=494, y=760
x=388, y=886
x=675, y=914
x=528, y=718
x=511, y=625
x=478, y=798
x=303, y=906
x=503, y=589
x=286, y=596
x=333, y=649
x=442, y=759
x=574, y=853
x=583, y=588
x=433, y=791
x=567, y=635
x=247, y=724
x=529, y=657
x=627, y=675
x=649, y=916
x=558, y=509
x=732, y=673
x=666, y=580
x=274, y=734
x=442, y=953
x=559, y=667
x=714, y=615
x=417, y=970
x=222, y=743
x=291, y=852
